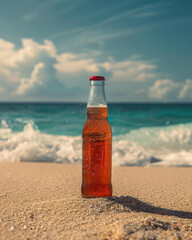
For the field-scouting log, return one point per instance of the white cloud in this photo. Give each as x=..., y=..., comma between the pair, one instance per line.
x=71, y=63
x=29, y=83
x=10, y=57
x=9, y=75
x=130, y=70
x=13, y=67
x=186, y=89
x=12, y=60
x=161, y=88
x=16, y=64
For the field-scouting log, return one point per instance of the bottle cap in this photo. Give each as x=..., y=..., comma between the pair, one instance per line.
x=96, y=78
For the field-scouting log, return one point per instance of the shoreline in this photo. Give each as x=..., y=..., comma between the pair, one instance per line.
x=43, y=201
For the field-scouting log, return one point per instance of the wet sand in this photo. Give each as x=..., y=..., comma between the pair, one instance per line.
x=43, y=201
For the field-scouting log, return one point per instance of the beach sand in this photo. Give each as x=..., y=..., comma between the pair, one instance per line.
x=43, y=201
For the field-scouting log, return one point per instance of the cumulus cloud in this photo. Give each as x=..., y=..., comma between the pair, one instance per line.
x=71, y=63
x=10, y=57
x=130, y=70
x=186, y=89
x=21, y=68
x=161, y=88
x=12, y=61
x=15, y=71
x=9, y=75
x=27, y=84
x=18, y=66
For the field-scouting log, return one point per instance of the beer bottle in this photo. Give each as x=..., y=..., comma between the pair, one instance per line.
x=97, y=144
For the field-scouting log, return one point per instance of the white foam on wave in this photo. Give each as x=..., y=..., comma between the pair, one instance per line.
x=4, y=123
x=129, y=153
x=141, y=147
x=32, y=145
x=171, y=144
x=175, y=136
x=178, y=158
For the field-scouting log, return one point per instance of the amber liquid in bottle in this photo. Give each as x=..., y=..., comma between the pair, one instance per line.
x=97, y=147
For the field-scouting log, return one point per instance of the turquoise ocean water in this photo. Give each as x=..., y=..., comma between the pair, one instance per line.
x=143, y=134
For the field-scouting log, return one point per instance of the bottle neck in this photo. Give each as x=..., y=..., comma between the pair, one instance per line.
x=97, y=105
x=97, y=94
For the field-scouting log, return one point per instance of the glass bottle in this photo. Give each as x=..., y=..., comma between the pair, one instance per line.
x=97, y=144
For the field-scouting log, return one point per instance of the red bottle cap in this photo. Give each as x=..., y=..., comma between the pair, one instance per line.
x=96, y=78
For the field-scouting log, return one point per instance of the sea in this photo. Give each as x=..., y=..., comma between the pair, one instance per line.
x=143, y=134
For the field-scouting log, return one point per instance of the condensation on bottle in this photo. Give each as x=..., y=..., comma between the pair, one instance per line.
x=97, y=144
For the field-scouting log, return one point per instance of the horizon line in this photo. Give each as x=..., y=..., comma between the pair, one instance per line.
x=79, y=102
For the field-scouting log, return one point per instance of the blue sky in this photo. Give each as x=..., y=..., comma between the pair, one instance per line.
x=49, y=49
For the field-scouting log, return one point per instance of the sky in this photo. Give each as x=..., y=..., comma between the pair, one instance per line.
x=50, y=48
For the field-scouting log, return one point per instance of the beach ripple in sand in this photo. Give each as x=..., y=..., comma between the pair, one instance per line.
x=99, y=218
x=43, y=201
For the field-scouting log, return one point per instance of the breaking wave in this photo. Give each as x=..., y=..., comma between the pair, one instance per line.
x=157, y=146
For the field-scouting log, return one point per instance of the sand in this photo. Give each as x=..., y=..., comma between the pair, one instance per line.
x=43, y=201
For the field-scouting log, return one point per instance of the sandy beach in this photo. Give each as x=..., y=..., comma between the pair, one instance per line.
x=43, y=201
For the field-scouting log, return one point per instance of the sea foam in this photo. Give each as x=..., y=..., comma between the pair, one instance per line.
x=158, y=146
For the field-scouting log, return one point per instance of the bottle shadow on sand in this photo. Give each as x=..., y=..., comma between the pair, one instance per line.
x=130, y=203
